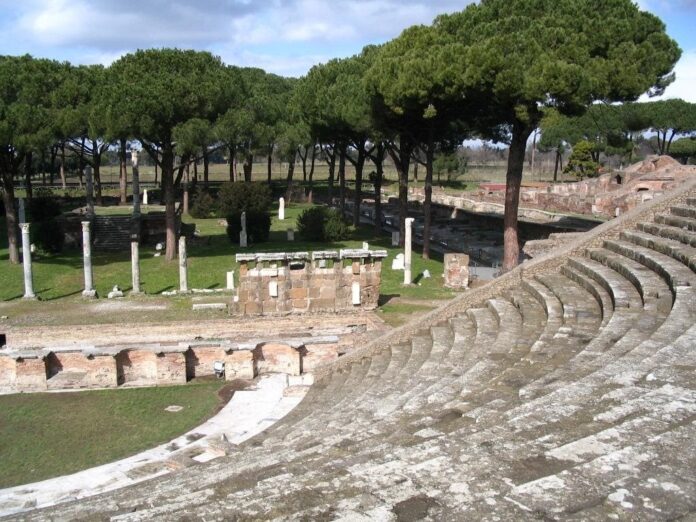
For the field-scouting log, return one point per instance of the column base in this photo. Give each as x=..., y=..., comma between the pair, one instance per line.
x=30, y=297
x=133, y=293
x=89, y=294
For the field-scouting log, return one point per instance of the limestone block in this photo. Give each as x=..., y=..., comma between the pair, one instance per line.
x=8, y=373
x=318, y=354
x=200, y=360
x=456, y=271
x=239, y=365
x=136, y=366
x=277, y=358
x=30, y=375
x=171, y=368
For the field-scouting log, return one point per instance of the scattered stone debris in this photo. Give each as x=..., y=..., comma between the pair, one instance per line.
x=210, y=306
x=174, y=408
x=115, y=293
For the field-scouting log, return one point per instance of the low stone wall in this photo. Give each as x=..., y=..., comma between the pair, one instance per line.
x=66, y=368
x=300, y=282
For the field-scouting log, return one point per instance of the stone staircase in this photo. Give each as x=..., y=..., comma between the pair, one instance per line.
x=112, y=233
x=566, y=389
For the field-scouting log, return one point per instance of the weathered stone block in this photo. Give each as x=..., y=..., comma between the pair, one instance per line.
x=298, y=293
x=277, y=358
x=456, y=271
x=239, y=365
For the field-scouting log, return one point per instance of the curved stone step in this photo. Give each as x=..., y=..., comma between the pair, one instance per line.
x=653, y=289
x=682, y=253
x=678, y=234
x=674, y=272
x=686, y=211
x=600, y=293
x=676, y=221
x=622, y=291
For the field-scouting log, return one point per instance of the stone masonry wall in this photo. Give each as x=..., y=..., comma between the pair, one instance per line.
x=297, y=282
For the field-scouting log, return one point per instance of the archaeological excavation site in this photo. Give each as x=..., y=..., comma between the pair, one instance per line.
x=562, y=389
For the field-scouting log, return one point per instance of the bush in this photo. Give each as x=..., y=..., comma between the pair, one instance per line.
x=43, y=209
x=48, y=236
x=322, y=224
x=258, y=226
x=581, y=162
x=203, y=205
x=234, y=198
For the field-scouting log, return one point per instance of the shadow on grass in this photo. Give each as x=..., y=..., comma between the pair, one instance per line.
x=385, y=298
x=55, y=297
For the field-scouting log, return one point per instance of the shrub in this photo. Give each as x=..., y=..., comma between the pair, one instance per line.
x=236, y=197
x=322, y=224
x=48, y=236
x=581, y=162
x=43, y=209
x=203, y=205
x=258, y=226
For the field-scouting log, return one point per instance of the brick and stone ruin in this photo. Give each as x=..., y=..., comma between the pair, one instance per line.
x=326, y=281
x=158, y=364
x=564, y=389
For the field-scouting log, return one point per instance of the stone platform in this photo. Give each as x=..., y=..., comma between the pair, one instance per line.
x=563, y=390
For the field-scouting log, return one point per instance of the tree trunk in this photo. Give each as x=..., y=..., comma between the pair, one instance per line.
x=62, y=165
x=518, y=146
x=233, y=155
x=427, y=204
x=248, y=165
x=555, y=167
x=402, y=160
x=332, y=172
x=195, y=173
x=378, y=159
x=206, y=167
x=81, y=162
x=357, y=195
x=291, y=172
x=10, y=216
x=52, y=170
x=156, y=169
x=310, y=193
x=186, y=192
x=97, y=184
x=169, y=202
x=415, y=172
x=122, y=171
x=269, y=164
x=342, y=180
x=28, y=160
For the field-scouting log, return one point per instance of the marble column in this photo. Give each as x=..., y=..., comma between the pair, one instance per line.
x=183, y=268
x=281, y=209
x=89, y=290
x=26, y=258
x=135, y=267
x=407, y=251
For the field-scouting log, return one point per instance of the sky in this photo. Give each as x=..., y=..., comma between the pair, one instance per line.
x=285, y=37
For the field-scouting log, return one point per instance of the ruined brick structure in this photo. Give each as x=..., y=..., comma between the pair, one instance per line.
x=165, y=364
x=300, y=282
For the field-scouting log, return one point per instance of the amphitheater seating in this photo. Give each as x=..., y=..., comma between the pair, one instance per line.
x=569, y=394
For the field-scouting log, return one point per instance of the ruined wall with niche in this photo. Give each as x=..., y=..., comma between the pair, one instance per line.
x=69, y=368
x=299, y=282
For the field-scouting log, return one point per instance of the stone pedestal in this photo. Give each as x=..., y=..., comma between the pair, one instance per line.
x=230, y=280
x=281, y=209
x=183, y=266
x=26, y=259
x=408, y=279
x=89, y=291
x=135, y=267
x=145, y=198
x=456, y=271
x=395, y=238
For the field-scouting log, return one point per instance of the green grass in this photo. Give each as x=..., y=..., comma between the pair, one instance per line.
x=210, y=257
x=47, y=435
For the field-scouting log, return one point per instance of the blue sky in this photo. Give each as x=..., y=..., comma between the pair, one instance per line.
x=282, y=36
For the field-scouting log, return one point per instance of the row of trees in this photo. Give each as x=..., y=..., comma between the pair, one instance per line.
x=615, y=129
x=491, y=71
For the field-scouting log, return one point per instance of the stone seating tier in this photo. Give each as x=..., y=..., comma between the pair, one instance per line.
x=563, y=390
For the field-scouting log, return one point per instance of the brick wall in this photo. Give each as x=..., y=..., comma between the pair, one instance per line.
x=298, y=282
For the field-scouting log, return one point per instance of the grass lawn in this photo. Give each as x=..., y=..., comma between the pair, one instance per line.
x=210, y=256
x=45, y=435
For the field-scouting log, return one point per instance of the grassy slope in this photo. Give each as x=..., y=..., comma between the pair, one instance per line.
x=46, y=435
